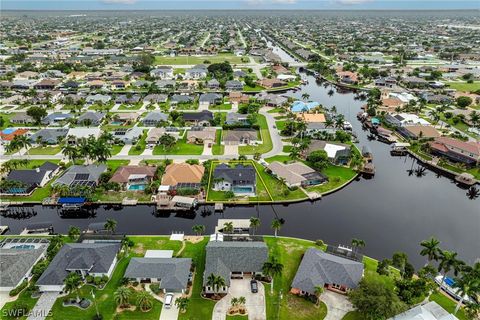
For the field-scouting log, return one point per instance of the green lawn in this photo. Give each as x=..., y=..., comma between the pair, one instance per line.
x=114, y=164
x=266, y=145
x=180, y=148
x=130, y=106
x=289, y=252
x=32, y=164
x=223, y=106
x=218, y=148
x=44, y=150
x=138, y=148
x=37, y=196
x=337, y=176
x=464, y=86
x=23, y=298
x=287, y=149
x=237, y=317
x=276, y=110
x=448, y=304
x=280, y=124
x=279, y=159
x=116, y=148
x=189, y=60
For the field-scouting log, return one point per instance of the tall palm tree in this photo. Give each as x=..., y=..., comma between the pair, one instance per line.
x=182, y=303
x=216, y=282
x=242, y=300
x=198, y=229
x=70, y=152
x=358, y=243
x=430, y=249
x=84, y=149
x=272, y=267
x=228, y=227
x=122, y=296
x=276, y=226
x=254, y=224
x=144, y=301
x=72, y=281
x=22, y=142
x=305, y=96
x=467, y=285
x=73, y=232
x=110, y=225
x=448, y=262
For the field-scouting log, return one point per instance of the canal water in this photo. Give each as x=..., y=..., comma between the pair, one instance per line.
x=394, y=211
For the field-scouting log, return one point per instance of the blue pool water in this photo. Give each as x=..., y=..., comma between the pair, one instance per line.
x=9, y=130
x=449, y=281
x=242, y=190
x=24, y=247
x=116, y=123
x=137, y=187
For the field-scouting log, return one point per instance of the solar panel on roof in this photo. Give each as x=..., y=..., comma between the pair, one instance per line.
x=81, y=176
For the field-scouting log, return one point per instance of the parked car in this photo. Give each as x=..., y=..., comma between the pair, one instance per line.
x=168, y=300
x=254, y=286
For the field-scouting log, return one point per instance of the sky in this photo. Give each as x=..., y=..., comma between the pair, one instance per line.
x=239, y=4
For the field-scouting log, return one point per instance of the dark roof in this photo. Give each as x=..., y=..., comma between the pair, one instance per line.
x=204, y=115
x=32, y=176
x=238, y=175
x=172, y=272
x=224, y=257
x=94, y=257
x=15, y=263
x=319, y=268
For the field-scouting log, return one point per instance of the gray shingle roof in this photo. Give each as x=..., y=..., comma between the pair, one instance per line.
x=32, y=176
x=88, y=173
x=94, y=257
x=172, y=272
x=319, y=268
x=15, y=263
x=239, y=175
x=230, y=256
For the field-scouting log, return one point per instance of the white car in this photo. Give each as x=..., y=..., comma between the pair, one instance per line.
x=168, y=300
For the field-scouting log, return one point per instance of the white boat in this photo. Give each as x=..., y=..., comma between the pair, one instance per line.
x=347, y=125
x=447, y=286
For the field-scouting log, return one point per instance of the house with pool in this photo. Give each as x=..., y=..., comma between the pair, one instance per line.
x=134, y=178
x=300, y=106
x=240, y=179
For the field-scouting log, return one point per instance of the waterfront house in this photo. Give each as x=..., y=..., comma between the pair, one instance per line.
x=338, y=153
x=296, y=174
x=181, y=175
x=134, y=178
x=428, y=311
x=200, y=135
x=18, y=256
x=321, y=269
x=49, y=135
x=91, y=118
x=172, y=274
x=94, y=259
x=233, y=260
x=300, y=106
x=31, y=179
x=417, y=131
x=240, y=179
x=154, y=118
x=81, y=175
x=270, y=99
x=467, y=152
x=240, y=137
x=201, y=118
x=404, y=119
x=347, y=77
x=271, y=83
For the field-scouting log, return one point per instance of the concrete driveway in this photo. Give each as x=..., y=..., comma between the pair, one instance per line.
x=207, y=151
x=255, y=302
x=125, y=149
x=231, y=150
x=337, y=305
x=172, y=313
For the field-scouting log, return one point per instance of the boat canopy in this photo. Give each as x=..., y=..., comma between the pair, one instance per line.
x=71, y=200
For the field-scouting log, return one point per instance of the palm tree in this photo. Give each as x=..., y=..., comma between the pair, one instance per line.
x=294, y=153
x=474, y=118
x=448, y=261
x=198, y=229
x=122, y=296
x=358, y=243
x=242, y=300
x=467, y=285
x=70, y=152
x=254, y=224
x=215, y=282
x=72, y=281
x=430, y=249
x=329, y=123
x=22, y=142
x=228, y=227
x=272, y=268
x=73, y=232
x=126, y=245
x=276, y=226
x=110, y=225
x=182, y=304
x=144, y=301
x=84, y=149
x=305, y=96
x=234, y=301
x=318, y=292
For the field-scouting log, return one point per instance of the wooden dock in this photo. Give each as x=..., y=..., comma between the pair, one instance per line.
x=3, y=229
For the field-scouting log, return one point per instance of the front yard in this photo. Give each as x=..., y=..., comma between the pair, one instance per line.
x=182, y=147
x=266, y=145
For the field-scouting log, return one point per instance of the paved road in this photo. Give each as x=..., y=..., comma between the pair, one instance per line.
x=276, y=138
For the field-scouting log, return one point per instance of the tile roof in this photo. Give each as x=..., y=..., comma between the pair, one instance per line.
x=176, y=173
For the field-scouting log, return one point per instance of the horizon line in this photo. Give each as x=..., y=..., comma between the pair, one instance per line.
x=253, y=9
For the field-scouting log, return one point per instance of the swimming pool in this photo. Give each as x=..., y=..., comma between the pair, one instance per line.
x=23, y=247
x=9, y=130
x=137, y=187
x=242, y=190
x=116, y=123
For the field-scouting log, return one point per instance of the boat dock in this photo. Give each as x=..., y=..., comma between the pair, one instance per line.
x=3, y=229
x=129, y=202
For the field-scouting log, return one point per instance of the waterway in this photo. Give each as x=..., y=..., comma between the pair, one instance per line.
x=394, y=211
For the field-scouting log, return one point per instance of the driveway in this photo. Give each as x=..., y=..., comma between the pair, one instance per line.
x=255, y=302
x=125, y=149
x=172, y=313
x=231, y=150
x=276, y=138
x=337, y=305
x=206, y=150
x=43, y=306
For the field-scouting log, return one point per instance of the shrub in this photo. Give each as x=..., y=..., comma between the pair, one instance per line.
x=319, y=243
x=19, y=288
x=155, y=288
x=89, y=279
x=135, y=283
x=19, y=309
x=97, y=281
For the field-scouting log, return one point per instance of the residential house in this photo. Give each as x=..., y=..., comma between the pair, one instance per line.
x=180, y=98
x=213, y=84
x=300, y=106
x=271, y=100
x=31, y=178
x=325, y=270
x=56, y=117
x=127, y=99
x=154, y=135
x=18, y=257
x=197, y=72
x=238, y=97
x=162, y=72
x=415, y=82
x=179, y=175
x=134, y=178
x=201, y=135
x=155, y=98
x=154, y=118
x=389, y=82
x=233, y=260
x=165, y=84
x=94, y=259
x=201, y=118
x=338, y=153
x=75, y=134
x=47, y=84
x=128, y=136
x=208, y=99
x=240, y=137
x=234, y=118
x=425, y=311
x=172, y=274
x=96, y=84
x=271, y=83
x=467, y=152
x=240, y=179
x=81, y=175
x=234, y=85
x=405, y=119
x=97, y=98
x=119, y=84
x=347, y=77
x=296, y=174
x=91, y=118
x=7, y=135
x=49, y=135
x=125, y=117
x=417, y=131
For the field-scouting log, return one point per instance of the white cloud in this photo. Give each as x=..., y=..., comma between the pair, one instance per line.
x=352, y=2
x=119, y=1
